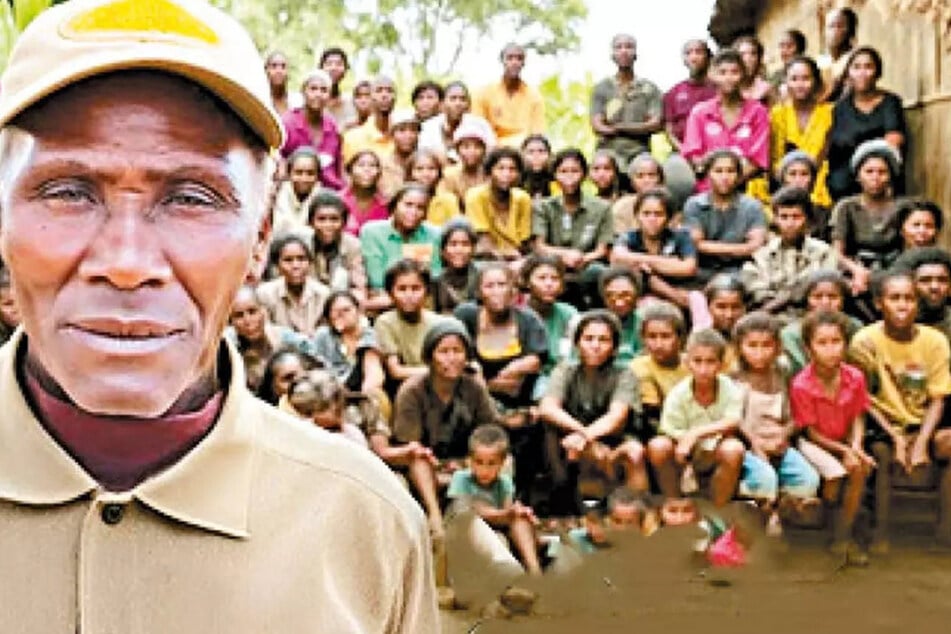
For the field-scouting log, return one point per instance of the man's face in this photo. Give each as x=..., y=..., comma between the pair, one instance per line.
x=595, y=345
x=624, y=51
x=128, y=232
x=704, y=363
x=513, y=61
x=620, y=297
x=427, y=104
x=933, y=283
x=696, y=59
x=898, y=303
x=383, y=94
x=726, y=308
x=276, y=69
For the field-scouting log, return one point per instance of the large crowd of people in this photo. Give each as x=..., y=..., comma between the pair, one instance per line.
x=732, y=296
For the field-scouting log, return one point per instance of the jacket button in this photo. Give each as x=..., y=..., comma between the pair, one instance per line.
x=112, y=513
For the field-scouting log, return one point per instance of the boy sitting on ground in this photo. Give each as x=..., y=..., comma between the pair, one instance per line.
x=699, y=416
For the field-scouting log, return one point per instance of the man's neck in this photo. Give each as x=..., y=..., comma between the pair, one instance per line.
x=904, y=334
x=279, y=92
x=382, y=122
x=315, y=117
x=625, y=74
x=411, y=318
x=698, y=77
x=512, y=84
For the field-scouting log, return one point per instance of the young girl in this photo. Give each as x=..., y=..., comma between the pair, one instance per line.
x=587, y=406
x=727, y=226
x=667, y=256
x=538, y=179
x=864, y=233
x=338, y=261
x=362, y=195
x=294, y=195
x=646, y=173
x=605, y=176
x=726, y=302
x=544, y=276
x=829, y=400
x=825, y=291
x=919, y=222
x=770, y=466
x=425, y=168
x=294, y=299
x=500, y=212
x=455, y=284
x=471, y=143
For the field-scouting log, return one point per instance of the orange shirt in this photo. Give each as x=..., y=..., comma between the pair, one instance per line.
x=513, y=116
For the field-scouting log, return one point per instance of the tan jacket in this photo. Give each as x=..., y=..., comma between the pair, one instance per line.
x=302, y=316
x=267, y=525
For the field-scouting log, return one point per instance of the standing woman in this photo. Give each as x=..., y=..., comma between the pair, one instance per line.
x=754, y=85
x=362, y=196
x=864, y=113
x=511, y=345
x=802, y=123
x=311, y=127
x=842, y=26
x=334, y=62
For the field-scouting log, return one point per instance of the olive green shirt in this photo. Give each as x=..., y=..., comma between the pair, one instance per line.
x=590, y=226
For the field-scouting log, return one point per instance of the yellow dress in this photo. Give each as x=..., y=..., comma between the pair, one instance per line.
x=517, y=227
x=785, y=136
x=443, y=207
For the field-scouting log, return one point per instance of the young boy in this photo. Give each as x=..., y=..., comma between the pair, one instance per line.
x=906, y=365
x=776, y=276
x=662, y=332
x=401, y=330
x=489, y=492
x=698, y=416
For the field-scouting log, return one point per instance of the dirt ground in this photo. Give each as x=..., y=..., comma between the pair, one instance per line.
x=656, y=584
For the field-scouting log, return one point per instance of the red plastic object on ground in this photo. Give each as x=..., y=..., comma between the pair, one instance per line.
x=727, y=551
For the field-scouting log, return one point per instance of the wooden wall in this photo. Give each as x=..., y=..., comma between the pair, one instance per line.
x=917, y=61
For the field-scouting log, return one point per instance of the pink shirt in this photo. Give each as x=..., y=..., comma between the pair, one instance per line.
x=832, y=417
x=356, y=218
x=680, y=100
x=329, y=150
x=707, y=131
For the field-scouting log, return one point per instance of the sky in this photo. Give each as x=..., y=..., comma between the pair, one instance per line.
x=660, y=26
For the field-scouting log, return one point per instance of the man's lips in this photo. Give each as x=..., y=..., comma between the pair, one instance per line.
x=118, y=328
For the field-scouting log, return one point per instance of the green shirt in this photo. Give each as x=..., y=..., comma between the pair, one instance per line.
x=636, y=102
x=383, y=246
x=557, y=325
x=590, y=226
x=497, y=495
x=682, y=412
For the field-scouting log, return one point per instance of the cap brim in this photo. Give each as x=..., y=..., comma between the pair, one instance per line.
x=262, y=120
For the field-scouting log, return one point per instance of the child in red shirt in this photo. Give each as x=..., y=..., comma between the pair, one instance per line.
x=829, y=399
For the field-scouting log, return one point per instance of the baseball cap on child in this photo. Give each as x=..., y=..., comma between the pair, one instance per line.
x=85, y=38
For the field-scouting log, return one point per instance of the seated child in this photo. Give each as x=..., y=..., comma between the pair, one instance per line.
x=824, y=290
x=587, y=407
x=829, y=400
x=666, y=256
x=776, y=275
x=726, y=303
x=645, y=174
x=484, y=488
x=400, y=331
x=699, y=416
x=455, y=284
x=798, y=169
x=906, y=366
x=770, y=466
x=319, y=397
x=626, y=512
x=662, y=332
x=544, y=276
x=620, y=289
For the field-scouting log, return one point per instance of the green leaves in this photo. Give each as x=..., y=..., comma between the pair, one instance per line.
x=13, y=20
x=566, y=112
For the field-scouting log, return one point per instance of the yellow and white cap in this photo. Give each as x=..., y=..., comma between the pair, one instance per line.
x=84, y=38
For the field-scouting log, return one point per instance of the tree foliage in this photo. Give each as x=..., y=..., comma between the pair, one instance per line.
x=566, y=112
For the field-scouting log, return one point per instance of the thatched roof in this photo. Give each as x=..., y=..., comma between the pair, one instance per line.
x=732, y=18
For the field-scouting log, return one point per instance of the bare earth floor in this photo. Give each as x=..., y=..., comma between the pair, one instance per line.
x=655, y=584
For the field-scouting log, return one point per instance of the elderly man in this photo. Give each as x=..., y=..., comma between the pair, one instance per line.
x=142, y=488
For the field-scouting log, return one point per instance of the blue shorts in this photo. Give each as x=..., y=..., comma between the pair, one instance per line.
x=792, y=474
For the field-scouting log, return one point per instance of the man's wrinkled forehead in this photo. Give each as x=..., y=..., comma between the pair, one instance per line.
x=94, y=100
